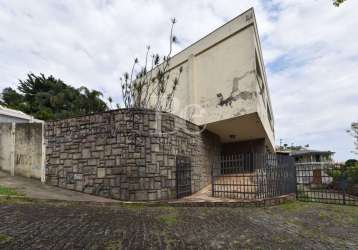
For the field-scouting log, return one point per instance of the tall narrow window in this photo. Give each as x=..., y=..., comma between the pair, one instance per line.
x=259, y=75
x=258, y=68
x=269, y=113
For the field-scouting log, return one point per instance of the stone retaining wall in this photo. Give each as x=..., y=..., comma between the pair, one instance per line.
x=119, y=154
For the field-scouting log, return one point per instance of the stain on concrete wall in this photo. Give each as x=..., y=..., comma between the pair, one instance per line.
x=28, y=149
x=21, y=149
x=236, y=94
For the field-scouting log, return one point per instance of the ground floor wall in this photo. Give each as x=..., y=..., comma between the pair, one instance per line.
x=128, y=154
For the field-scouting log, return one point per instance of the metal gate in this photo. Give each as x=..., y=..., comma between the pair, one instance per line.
x=183, y=176
x=253, y=176
x=327, y=182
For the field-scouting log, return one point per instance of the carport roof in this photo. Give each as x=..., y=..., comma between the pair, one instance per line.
x=16, y=113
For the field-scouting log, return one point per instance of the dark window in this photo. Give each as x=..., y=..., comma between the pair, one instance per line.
x=269, y=113
x=317, y=158
x=258, y=68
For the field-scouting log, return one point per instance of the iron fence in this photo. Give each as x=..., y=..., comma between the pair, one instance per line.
x=183, y=176
x=253, y=176
x=327, y=182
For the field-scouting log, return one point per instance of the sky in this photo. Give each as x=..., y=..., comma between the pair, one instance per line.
x=310, y=51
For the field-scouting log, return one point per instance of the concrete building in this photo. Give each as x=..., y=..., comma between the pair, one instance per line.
x=224, y=73
x=120, y=153
x=312, y=165
x=11, y=115
x=308, y=156
x=22, y=145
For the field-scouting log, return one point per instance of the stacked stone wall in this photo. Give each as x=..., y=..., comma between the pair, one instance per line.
x=120, y=154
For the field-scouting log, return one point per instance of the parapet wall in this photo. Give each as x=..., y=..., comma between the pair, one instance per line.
x=120, y=154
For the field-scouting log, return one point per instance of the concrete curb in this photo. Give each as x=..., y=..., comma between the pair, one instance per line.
x=259, y=203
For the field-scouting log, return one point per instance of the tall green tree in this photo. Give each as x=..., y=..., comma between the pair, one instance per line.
x=49, y=98
x=338, y=2
x=354, y=132
x=11, y=98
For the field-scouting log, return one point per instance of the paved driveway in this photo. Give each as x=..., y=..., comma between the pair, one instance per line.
x=66, y=225
x=35, y=189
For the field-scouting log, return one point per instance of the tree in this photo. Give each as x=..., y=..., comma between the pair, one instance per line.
x=354, y=132
x=351, y=162
x=292, y=147
x=91, y=99
x=153, y=87
x=49, y=98
x=338, y=2
x=110, y=100
x=11, y=98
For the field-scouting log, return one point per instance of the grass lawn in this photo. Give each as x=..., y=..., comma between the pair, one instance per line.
x=8, y=191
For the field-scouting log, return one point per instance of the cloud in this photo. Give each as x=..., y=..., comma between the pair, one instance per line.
x=309, y=47
x=311, y=72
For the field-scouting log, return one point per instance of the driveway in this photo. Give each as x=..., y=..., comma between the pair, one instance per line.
x=33, y=188
x=69, y=225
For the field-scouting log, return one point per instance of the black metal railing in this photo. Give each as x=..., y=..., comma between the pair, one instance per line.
x=327, y=182
x=253, y=176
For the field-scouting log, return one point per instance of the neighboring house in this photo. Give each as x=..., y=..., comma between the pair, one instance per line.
x=308, y=156
x=224, y=74
x=22, y=147
x=312, y=165
x=11, y=115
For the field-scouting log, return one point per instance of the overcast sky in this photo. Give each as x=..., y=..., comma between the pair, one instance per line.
x=310, y=49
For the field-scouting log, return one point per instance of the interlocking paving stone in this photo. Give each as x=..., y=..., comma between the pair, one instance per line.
x=66, y=225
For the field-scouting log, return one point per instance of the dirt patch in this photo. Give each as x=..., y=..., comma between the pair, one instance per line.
x=64, y=225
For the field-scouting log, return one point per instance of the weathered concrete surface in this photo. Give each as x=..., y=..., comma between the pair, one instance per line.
x=70, y=226
x=224, y=74
x=6, y=146
x=28, y=150
x=21, y=149
x=32, y=188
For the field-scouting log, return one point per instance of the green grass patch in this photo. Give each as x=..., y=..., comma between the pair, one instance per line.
x=5, y=238
x=113, y=245
x=169, y=219
x=292, y=206
x=344, y=214
x=8, y=191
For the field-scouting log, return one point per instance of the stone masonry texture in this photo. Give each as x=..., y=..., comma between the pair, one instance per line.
x=120, y=154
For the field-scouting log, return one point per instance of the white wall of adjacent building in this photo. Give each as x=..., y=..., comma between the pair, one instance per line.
x=22, y=144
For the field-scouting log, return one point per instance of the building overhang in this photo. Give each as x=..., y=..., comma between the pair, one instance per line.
x=242, y=128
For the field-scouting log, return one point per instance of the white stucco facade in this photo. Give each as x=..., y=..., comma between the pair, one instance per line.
x=224, y=74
